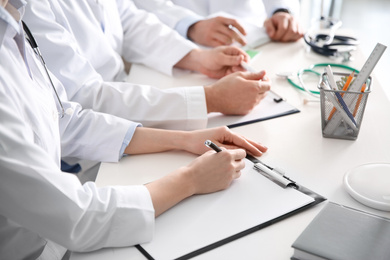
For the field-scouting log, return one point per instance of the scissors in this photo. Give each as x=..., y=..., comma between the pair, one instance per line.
x=301, y=85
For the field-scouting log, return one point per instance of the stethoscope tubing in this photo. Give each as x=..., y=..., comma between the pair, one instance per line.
x=311, y=68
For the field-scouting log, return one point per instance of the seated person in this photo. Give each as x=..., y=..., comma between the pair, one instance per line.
x=76, y=45
x=191, y=18
x=43, y=211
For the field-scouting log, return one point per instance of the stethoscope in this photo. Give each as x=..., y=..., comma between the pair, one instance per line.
x=339, y=45
x=311, y=69
x=329, y=44
x=34, y=46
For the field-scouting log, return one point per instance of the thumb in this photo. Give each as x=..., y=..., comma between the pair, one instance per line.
x=232, y=56
x=254, y=75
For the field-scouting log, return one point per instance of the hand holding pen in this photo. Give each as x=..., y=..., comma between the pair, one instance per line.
x=246, y=66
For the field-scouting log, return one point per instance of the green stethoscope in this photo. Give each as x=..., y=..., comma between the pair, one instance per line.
x=301, y=85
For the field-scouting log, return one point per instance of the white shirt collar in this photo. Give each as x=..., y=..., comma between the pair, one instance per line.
x=7, y=20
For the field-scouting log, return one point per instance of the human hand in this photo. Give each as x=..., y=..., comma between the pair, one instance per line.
x=215, y=32
x=213, y=171
x=215, y=63
x=222, y=136
x=283, y=27
x=221, y=61
x=237, y=93
x=208, y=173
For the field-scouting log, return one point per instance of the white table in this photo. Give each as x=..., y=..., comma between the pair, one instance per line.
x=295, y=144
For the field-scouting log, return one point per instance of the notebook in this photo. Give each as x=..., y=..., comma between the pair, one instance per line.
x=340, y=232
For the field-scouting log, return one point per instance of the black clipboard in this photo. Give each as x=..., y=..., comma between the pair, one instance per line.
x=293, y=185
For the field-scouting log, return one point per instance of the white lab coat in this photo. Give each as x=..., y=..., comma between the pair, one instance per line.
x=73, y=43
x=108, y=30
x=39, y=203
x=171, y=12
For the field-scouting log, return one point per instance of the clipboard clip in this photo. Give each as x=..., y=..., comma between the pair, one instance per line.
x=273, y=174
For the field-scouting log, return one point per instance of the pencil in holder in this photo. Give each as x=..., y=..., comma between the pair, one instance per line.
x=342, y=111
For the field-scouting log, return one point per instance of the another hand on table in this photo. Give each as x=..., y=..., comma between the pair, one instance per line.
x=237, y=93
x=215, y=63
x=283, y=27
x=215, y=32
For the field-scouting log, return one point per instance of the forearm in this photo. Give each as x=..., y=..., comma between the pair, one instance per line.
x=148, y=140
x=170, y=190
x=140, y=27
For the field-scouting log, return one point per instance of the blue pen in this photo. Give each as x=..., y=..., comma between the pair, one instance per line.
x=342, y=103
x=333, y=86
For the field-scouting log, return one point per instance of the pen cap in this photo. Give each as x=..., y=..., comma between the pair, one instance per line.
x=342, y=120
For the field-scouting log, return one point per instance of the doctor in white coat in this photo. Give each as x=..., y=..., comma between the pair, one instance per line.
x=194, y=20
x=80, y=38
x=43, y=211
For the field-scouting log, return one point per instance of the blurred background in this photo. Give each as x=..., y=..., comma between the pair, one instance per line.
x=368, y=20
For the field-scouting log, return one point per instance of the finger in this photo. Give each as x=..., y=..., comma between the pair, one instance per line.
x=253, y=75
x=250, y=146
x=239, y=164
x=236, y=25
x=234, y=34
x=222, y=37
x=264, y=86
x=236, y=175
x=296, y=32
x=216, y=43
x=230, y=60
x=234, y=29
x=290, y=32
x=266, y=79
x=238, y=154
x=281, y=28
x=233, y=50
x=237, y=68
x=258, y=145
x=269, y=28
x=238, y=37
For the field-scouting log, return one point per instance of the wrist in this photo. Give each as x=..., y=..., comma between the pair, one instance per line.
x=186, y=181
x=190, y=61
x=180, y=141
x=191, y=32
x=210, y=100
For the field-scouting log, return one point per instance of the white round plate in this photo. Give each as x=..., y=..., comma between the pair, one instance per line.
x=370, y=184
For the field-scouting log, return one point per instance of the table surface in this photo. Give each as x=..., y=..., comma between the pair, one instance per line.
x=295, y=144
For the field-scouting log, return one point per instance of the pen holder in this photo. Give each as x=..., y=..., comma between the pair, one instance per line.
x=341, y=119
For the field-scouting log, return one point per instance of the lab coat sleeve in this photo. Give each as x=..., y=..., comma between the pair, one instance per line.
x=175, y=108
x=35, y=194
x=147, y=40
x=166, y=11
x=181, y=108
x=91, y=135
x=272, y=5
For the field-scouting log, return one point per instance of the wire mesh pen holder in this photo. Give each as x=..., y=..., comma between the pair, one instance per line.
x=342, y=120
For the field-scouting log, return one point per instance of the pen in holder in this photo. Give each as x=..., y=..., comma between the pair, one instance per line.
x=342, y=111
